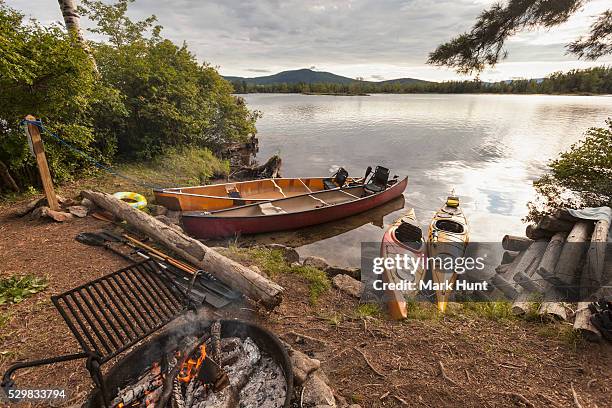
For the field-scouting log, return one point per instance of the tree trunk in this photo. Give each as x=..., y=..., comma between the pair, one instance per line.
x=250, y=283
x=592, y=274
x=6, y=178
x=73, y=25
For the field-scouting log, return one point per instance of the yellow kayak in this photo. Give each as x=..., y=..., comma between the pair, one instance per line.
x=447, y=239
x=403, y=237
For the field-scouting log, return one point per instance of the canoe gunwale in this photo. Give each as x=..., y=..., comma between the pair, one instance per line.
x=211, y=214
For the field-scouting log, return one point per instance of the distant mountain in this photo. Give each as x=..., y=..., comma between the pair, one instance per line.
x=309, y=76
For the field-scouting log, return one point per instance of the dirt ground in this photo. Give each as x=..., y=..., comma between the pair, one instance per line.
x=461, y=360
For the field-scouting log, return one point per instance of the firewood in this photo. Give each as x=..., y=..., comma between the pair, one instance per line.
x=528, y=262
x=503, y=268
x=514, y=243
x=531, y=284
x=509, y=256
x=592, y=273
x=506, y=287
x=521, y=304
x=549, y=260
x=554, y=224
x=564, y=214
x=250, y=283
x=571, y=254
x=582, y=323
x=553, y=310
x=532, y=231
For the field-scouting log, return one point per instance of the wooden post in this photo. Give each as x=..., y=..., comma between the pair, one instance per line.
x=33, y=134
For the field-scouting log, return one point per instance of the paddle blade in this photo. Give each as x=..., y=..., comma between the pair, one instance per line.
x=367, y=173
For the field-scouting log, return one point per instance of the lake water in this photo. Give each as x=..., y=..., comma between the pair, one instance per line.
x=489, y=148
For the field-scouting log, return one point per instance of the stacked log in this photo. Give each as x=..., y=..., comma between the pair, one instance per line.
x=561, y=259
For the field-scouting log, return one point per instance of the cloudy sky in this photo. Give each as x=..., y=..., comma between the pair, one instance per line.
x=374, y=39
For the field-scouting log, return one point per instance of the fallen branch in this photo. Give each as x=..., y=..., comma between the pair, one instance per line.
x=578, y=405
x=519, y=397
x=368, y=362
x=250, y=283
x=443, y=374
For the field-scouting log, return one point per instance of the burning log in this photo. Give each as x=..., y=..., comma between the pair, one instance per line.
x=592, y=274
x=571, y=254
x=514, y=243
x=246, y=280
x=547, y=265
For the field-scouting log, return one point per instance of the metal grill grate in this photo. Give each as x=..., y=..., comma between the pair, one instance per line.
x=112, y=313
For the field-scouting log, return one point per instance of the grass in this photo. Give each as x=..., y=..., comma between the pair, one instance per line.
x=14, y=289
x=186, y=166
x=563, y=332
x=421, y=310
x=368, y=310
x=272, y=262
x=499, y=310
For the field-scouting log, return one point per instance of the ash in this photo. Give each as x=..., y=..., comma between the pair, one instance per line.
x=255, y=381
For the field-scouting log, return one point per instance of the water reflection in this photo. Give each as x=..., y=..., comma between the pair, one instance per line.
x=488, y=147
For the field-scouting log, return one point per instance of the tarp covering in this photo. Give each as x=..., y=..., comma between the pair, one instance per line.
x=592, y=213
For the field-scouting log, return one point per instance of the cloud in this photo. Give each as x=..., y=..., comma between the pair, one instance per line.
x=241, y=36
x=377, y=77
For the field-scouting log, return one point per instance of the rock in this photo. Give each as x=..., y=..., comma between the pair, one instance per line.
x=66, y=202
x=302, y=365
x=337, y=270
x=58, y=216
x=156, y=210
x=87, y=203
x=257, y=270
x=331, y=270
x=316, y=262
x=175, y=216
x=349, y=285
x=317, y=392
x=78, y=210
x=31, y=206
x=38, y=212
x=289, y=253
x=169, y=222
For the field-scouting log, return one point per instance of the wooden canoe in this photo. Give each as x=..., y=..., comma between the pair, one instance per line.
x=226, y=195
x=288, y=213
x=403, y=237
x=447, y=238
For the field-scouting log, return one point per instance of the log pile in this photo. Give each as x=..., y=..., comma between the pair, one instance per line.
x=560, y=261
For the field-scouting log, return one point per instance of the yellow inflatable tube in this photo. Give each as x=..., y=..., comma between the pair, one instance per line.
x=134, y=199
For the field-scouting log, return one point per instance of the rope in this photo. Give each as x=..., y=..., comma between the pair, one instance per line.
x=99, y=165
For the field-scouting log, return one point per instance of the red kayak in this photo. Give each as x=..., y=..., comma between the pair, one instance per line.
x=294, y=212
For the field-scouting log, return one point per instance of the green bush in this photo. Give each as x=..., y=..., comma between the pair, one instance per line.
x=148, y=96
x=581, y=176
x=44, y=72
x=169, y=98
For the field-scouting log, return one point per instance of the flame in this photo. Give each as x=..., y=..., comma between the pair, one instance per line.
x=191, y=367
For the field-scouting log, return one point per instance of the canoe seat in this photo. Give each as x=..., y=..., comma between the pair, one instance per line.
x=270, y=209
x=378, y=182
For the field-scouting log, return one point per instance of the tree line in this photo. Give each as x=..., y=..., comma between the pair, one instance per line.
x=594, y=81
x=132, y=96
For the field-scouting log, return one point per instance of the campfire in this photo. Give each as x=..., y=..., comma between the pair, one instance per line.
x=208, y=371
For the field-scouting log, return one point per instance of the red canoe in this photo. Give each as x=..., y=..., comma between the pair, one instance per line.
x=289, y=213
